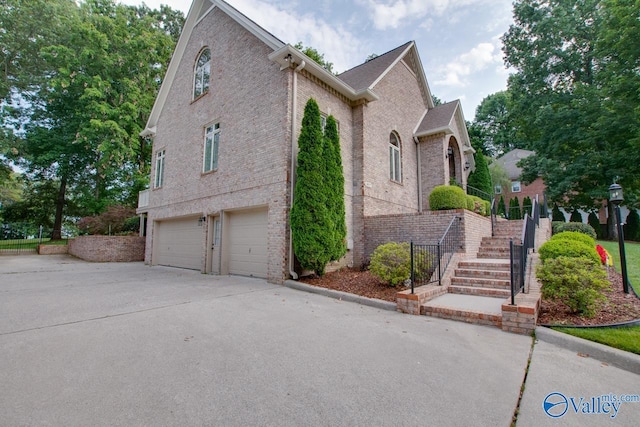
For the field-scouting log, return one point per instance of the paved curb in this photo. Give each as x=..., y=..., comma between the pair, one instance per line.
x=371, y=302
x=619, y=358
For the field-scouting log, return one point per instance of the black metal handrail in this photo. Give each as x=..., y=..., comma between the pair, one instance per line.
x=429, y=262
x=519, y=252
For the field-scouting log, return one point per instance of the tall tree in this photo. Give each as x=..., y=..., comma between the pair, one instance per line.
x=316, y=56
x=311, y=224
x=565, y=95
x=334, y=177
x=493, y=125
x=481, y=178
x=85, y=120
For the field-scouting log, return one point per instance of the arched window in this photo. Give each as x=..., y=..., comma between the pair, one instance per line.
x=395, y=162
x=202, y=74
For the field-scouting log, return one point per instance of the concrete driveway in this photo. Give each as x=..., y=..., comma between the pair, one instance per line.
x=127, y=344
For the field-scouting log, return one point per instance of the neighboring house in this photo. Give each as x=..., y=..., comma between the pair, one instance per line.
x=225, y=127
x=509, y=161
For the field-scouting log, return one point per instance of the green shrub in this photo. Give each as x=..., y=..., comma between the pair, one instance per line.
x=526, y=205
x=487, y=207
x=502, y=208
x=514, y=209
x=575, y=216
x=445, y=197
x=574, y=226
x=471, y=205
x=594, y=222
x=557, y=215
x=576, y=282
x=569, y=248
x=574, y=235
x=479, y=205
x=391, y=262
x=632, y=226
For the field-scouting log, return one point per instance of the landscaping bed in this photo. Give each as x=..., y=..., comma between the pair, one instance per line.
x=355, y=281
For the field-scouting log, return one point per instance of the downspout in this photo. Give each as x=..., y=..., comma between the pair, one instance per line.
x=415, y=139
x=294, y=160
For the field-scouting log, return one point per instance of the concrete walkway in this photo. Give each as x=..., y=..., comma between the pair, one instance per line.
x=126, y=344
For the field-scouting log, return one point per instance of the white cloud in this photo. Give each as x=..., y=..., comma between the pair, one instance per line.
x=389, y=15
x=480, y=57
x=339, y=45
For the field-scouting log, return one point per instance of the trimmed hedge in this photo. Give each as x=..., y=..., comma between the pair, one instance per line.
x=555, y=248
x=444, y=197
x=576, y=282
x=559, y=227
x=575, y=236
x=471, y=204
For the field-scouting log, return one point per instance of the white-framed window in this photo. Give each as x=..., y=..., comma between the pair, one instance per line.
x=202, y=74
x=395, y=163
x=211, y=144
x=515, y=187
x=159, y=179
x=498, y=189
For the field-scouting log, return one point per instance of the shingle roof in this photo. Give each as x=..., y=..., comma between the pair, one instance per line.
x=365, y=75
x=510, y=162
x=437, y=118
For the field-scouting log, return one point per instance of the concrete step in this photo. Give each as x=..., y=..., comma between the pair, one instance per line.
x=480, y=282
x=486, y=292
x=483, y=274
x=481, y=310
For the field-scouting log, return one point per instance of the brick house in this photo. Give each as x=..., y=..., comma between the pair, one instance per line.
x=225, y=126
x=509, y=161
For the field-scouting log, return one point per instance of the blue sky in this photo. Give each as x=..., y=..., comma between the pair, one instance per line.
x=458, y=40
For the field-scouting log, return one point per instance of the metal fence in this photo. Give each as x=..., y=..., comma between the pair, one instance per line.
x=429, y=262
x=519, y=252
x=21, y=238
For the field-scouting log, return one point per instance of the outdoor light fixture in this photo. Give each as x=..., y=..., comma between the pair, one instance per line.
x=467, y=165
x=201, y=220
x=615, y=197
x=449, y=152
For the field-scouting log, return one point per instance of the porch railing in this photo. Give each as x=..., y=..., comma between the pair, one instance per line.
x=430, y=262
x=519, y=252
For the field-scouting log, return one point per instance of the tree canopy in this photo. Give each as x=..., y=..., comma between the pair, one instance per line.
x=575, y=95
x=78, y=105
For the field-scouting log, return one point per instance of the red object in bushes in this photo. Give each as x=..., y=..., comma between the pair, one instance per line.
x=603, y=254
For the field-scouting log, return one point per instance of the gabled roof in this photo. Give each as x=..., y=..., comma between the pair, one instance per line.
x=199, y=9
x=510, y=162
x=443, y=119
x=367, y=75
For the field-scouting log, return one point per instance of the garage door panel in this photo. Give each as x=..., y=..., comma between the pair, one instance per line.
x=179, y=243
x=248, y=252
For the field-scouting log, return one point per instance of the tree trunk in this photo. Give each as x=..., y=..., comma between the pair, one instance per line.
x=57, y=224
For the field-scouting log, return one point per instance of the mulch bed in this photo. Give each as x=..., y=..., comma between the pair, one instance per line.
x=356, y=282
x=620, y=307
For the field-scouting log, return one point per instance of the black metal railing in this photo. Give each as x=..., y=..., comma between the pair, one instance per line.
x=519, y=252
x=430, y=262
x=21, y=238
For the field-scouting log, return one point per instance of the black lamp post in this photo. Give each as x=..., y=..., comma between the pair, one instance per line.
x=615, y=197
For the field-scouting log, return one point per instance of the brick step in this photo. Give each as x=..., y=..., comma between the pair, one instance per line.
x=494, y=249
x=462, y=315
x=484, y=265
x=492, y=255
x=483, y=274
x=485, y=292
x=495, y=241
x=507, y=234
x=480, y=282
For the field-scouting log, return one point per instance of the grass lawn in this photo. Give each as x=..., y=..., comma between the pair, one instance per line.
x=627, y=338
x=632, y=251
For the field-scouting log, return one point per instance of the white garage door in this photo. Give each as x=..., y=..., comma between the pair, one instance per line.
x=178, y=243
x=248, y=243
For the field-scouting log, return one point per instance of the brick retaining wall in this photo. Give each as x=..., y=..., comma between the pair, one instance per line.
x=53, y=249
x=108, y=248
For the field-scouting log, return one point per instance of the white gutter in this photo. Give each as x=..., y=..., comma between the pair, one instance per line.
x=294, y=159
